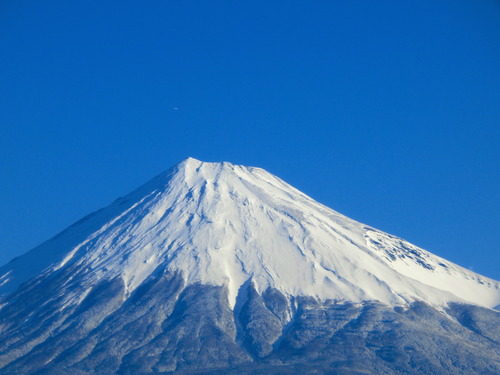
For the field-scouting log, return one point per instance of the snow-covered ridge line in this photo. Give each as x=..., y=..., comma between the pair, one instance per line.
x=224, y=224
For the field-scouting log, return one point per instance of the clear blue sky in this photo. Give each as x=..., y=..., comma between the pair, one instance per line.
x=388, y=112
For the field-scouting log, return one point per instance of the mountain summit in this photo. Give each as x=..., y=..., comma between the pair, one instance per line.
x=223, y=224
x=261, y=248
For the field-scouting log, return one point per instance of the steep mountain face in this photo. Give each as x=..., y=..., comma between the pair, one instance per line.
x=216, y=268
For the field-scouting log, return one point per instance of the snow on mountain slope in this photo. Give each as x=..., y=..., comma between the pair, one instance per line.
x=223, y=224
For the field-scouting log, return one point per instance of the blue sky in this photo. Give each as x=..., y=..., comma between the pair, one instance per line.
x=388, y=112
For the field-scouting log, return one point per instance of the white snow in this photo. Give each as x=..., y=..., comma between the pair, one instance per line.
x=223, y=224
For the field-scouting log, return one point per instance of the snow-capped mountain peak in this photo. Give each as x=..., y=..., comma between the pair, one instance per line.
x=224, y=224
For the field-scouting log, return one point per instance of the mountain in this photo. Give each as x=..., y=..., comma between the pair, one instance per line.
x=217, y=268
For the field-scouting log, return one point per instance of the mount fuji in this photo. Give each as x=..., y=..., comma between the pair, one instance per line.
x=213, y=268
